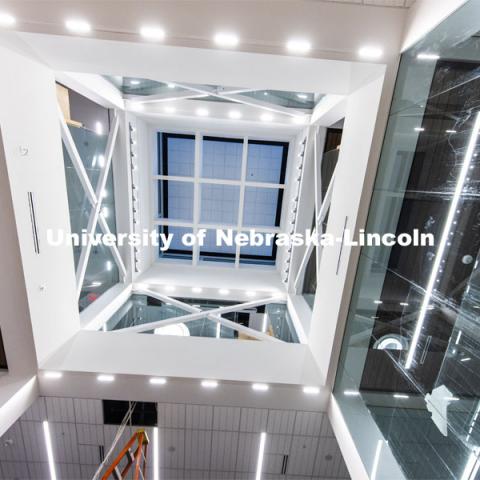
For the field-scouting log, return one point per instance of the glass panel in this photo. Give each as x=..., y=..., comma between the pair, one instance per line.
x=175, y=200
x=212, y=252
x=266, y=162
x=310, y=279
x=262, y=207
x=177, y=248
x=219, y=204
x=222, y=158
x=263, y=253
x=409, y=359
x=178, y=157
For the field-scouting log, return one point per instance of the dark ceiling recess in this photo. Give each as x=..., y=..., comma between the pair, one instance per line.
x=3, y=357
x=144, y=413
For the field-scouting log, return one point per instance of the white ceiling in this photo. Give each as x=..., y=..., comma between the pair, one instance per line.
x=196, y=442
x=377, y=3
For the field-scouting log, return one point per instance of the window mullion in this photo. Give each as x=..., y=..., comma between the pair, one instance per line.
x=242, y=196
x=196, y=194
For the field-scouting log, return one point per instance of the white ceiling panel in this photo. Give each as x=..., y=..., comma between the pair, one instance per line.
x=14, y=470
x=34, y=442
x=248, y=444
x=226, y=418
x=64, y=442
x=198, y=447
x=224, y=451
x=12, y=448
x=90, y=434
x=37, y=412
x=309, y=423
x=172, y=448
x=199, y=416
x=302, y=455
x=253, y=420
x=281, y=421
x=171, y=415
x=88, y=411
x=60, y=409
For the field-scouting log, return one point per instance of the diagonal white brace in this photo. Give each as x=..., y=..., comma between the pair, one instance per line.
x=197, y=313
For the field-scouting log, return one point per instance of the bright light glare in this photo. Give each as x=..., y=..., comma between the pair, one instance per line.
x=376, y=460
x=152, y=33
x=351, y=393
x=209, y=384
x=197, y=290
x=225, y=39
x=299, y=45
x=7, y=20
x=53, y=375
x=261, y=452
x=400, y=395
x=170, y=109
x=156, y=461
x=134, y=82
x=78, y=26
x=251, y=293
x=223, y=291
x=218, y=330
x=202, y=112
x=419, y=129
x=170, y=288
x=265, y=322
x=105, y=378
x=158, y=381
x=311, y=390
x=266, y=117
x=260, y=387
x=48, y=444
x=234, y=114
x=99, y=128
x=370, y=52
x=428, y=56
x=444, y=239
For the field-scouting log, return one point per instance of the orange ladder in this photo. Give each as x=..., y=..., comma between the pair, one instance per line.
x=137, y=457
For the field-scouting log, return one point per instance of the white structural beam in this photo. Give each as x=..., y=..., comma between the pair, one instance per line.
x=241, y=206
x=213, y=315
x=94, y=197
x=165, y=97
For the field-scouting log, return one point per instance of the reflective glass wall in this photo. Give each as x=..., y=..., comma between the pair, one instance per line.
x=409, y=366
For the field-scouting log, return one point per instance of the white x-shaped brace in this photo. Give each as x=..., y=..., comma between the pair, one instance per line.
x=93, y=196
x=196, y=314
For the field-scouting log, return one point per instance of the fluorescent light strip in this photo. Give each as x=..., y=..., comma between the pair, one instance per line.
x=458, y=337
x=219, y=327
x=53, y=375
x=105, y=378
x=351, y=393
x=209, y=384
x=156, y=461
x=48, y=444
x=400, y=395
x=376, y=460
x=261, y=453
x=264, y=323
x=260, y=387
x=158, y=381
x=444, y=239
x=311, y=390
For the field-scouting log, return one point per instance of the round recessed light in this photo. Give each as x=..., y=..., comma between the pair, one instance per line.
x=77, y=25
x=225, y=39
x=302, y=96
x=170, y=109
x=299, y=46
x=53, y=375
x=234, y=114
x=251, y=293
x=260, y=387
x=370, y=52
x=170, y=288
x=266, y=117
x=197, y=290
x=311, y=390
x=428, y=56
x=7, y=20
x=158, y=381
x=223, y=291
x=151, y=32
x=171, y=85
x=134, y=82
x=202, y=112
x=209, y=384
x=105, y=378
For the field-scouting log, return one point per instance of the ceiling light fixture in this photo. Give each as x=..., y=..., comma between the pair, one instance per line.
x=419, y=129
x=351, y=393
x=299, y=120
x=153, y=33
x=260, y=387
x=444, y=239
x=99, y=128
x=450, y=131
x=105, y=378
x=78, y=26
x=218, y=330
x=311, y=390
x=202, y=112
x=266, y=117
x=299, y=46
x=53, y=375
x=134, y=82
x=370, y=52
x=158, y=381
x=376, y=460
x=7, y=20
x=197, y=290
x=428, y=56
x=223, y=291
x=170, y=288
x=302, y=96
x=171, y=85
x=170, y=109
x=234, y=114
x=251, y=293
x=261, y=454
x=225, y=39
x=48, y=444
x=377, y=302
x=400, y=395
x=209, y=384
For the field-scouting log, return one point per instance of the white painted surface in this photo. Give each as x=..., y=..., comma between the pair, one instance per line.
x=186, y=357
x=424, y=16
x=29, y=119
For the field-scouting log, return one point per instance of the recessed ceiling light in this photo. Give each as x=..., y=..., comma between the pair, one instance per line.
x=202, y=112
x=299, y=120
x=260, y=387
x=265, y=93
x=251, y=293
x=7, y=20
x=158, y=381
x=302, y=96
x=223, y=291
x=99, y=128
x=138, y=106
x=377, y=302
x=370, y=52
x=428, y=56
x=78, y=26
x=450, y=131
x=170, y=109
x=105, y=378
x=299, y=45
x=197, y=290
x=171, y=85
x=419, y=129
x=404, y=304
x=170, y=288
x=311, y=390
x=134, y=82
x=351, y=393
x=266, y=117
x=225, y=39
x=209, y=384
x=400, y=395
x=53, y=375
x=234, y=114
x=153, y=33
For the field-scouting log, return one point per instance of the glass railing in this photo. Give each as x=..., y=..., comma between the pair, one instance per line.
x=272, y=319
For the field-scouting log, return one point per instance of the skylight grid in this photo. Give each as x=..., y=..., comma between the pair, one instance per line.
x=214, y=193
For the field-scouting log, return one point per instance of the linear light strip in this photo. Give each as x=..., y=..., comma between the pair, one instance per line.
x=261, y=453
x=48, y=444
x=156, y=460
x=376, y=460
x=444, y=240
